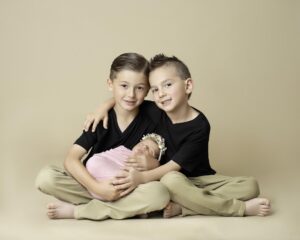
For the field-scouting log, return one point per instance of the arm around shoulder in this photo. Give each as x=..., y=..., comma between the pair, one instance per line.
x=100, y=114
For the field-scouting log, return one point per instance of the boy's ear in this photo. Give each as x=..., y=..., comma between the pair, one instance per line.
x=109, y=83
x=188, y=85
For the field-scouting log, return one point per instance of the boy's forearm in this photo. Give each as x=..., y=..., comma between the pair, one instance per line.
x=107, y=105
x=76, y=169
x=159, y=172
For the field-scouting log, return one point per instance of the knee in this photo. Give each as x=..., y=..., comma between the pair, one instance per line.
x=252, y=187
x=45, y=179
x=171, y=180
x=159, y=195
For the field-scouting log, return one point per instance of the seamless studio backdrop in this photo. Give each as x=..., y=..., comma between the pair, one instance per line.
x=244, y=57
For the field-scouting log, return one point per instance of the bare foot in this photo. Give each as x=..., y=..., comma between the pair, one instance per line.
x=60, y=210
x=257, y=207
x=172, y=210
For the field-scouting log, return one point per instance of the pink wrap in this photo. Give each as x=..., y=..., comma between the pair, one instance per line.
x=107, y=164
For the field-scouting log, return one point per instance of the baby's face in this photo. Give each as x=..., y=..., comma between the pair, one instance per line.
x=148, y=147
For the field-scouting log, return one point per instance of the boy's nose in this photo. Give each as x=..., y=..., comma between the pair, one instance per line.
x=131, y=92
x=161, y=93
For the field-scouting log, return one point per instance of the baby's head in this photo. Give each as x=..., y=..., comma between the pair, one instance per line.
x=153, y=144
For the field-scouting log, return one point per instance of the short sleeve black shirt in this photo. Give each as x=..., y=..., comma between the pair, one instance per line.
x=105, y=139
x=187, y=142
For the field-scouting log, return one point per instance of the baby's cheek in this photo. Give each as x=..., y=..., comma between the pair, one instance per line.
x=136, y=150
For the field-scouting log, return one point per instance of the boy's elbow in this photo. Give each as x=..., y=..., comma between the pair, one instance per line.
x=67, y=164
x=73, y=157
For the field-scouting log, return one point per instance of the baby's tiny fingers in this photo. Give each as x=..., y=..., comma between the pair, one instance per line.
x=130, y=160
x=134, y=165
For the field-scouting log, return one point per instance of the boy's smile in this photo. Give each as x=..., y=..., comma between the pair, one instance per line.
x=166, y=102
x=130, y=102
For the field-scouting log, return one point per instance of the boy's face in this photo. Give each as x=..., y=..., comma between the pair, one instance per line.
x=129, y=89
x=147, y=147
x=168, y=89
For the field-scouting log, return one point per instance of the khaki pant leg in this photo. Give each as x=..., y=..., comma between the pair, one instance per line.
x=241, y=188
x=149, y=197
x=198, y=198
x=56, y=182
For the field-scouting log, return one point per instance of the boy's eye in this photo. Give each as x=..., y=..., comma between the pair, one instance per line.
x=169, y=84
x=141, y=88
x=124, y=85
x=153, y=90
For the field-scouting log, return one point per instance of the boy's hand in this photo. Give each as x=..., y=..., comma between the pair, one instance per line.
x=127, y=180
x=142, y=162
x=107, y=191
x=95, y=118
x=100, y=114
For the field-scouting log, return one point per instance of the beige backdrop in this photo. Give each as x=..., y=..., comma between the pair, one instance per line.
x=244, y=57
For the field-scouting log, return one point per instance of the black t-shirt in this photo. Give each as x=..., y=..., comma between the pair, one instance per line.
x=105, y=139
x=187, y=142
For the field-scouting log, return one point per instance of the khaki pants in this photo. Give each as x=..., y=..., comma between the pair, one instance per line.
x=211, y=194
x=149, y=197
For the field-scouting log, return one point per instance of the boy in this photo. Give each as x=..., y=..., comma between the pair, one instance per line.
x=185, y=170
x=128, y=122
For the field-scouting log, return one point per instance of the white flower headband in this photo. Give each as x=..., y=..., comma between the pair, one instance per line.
x=159, y=140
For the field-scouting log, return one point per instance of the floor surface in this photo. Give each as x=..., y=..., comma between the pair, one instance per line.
x=26, y=219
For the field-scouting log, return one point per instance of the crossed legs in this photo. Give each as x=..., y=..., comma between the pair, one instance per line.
x=77, y=203
x=214, y=195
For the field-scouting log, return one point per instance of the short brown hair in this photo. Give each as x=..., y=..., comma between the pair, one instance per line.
x=129, y=61
x=160, y=60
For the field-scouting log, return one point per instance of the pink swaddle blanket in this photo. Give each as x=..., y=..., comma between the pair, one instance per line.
x=107, y=164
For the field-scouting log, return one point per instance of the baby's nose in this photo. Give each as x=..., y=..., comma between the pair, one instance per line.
x=146, y=147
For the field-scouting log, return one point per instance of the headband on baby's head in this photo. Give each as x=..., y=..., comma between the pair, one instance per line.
x=157, y=139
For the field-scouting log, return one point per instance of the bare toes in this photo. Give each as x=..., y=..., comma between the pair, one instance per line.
x=51, y=206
